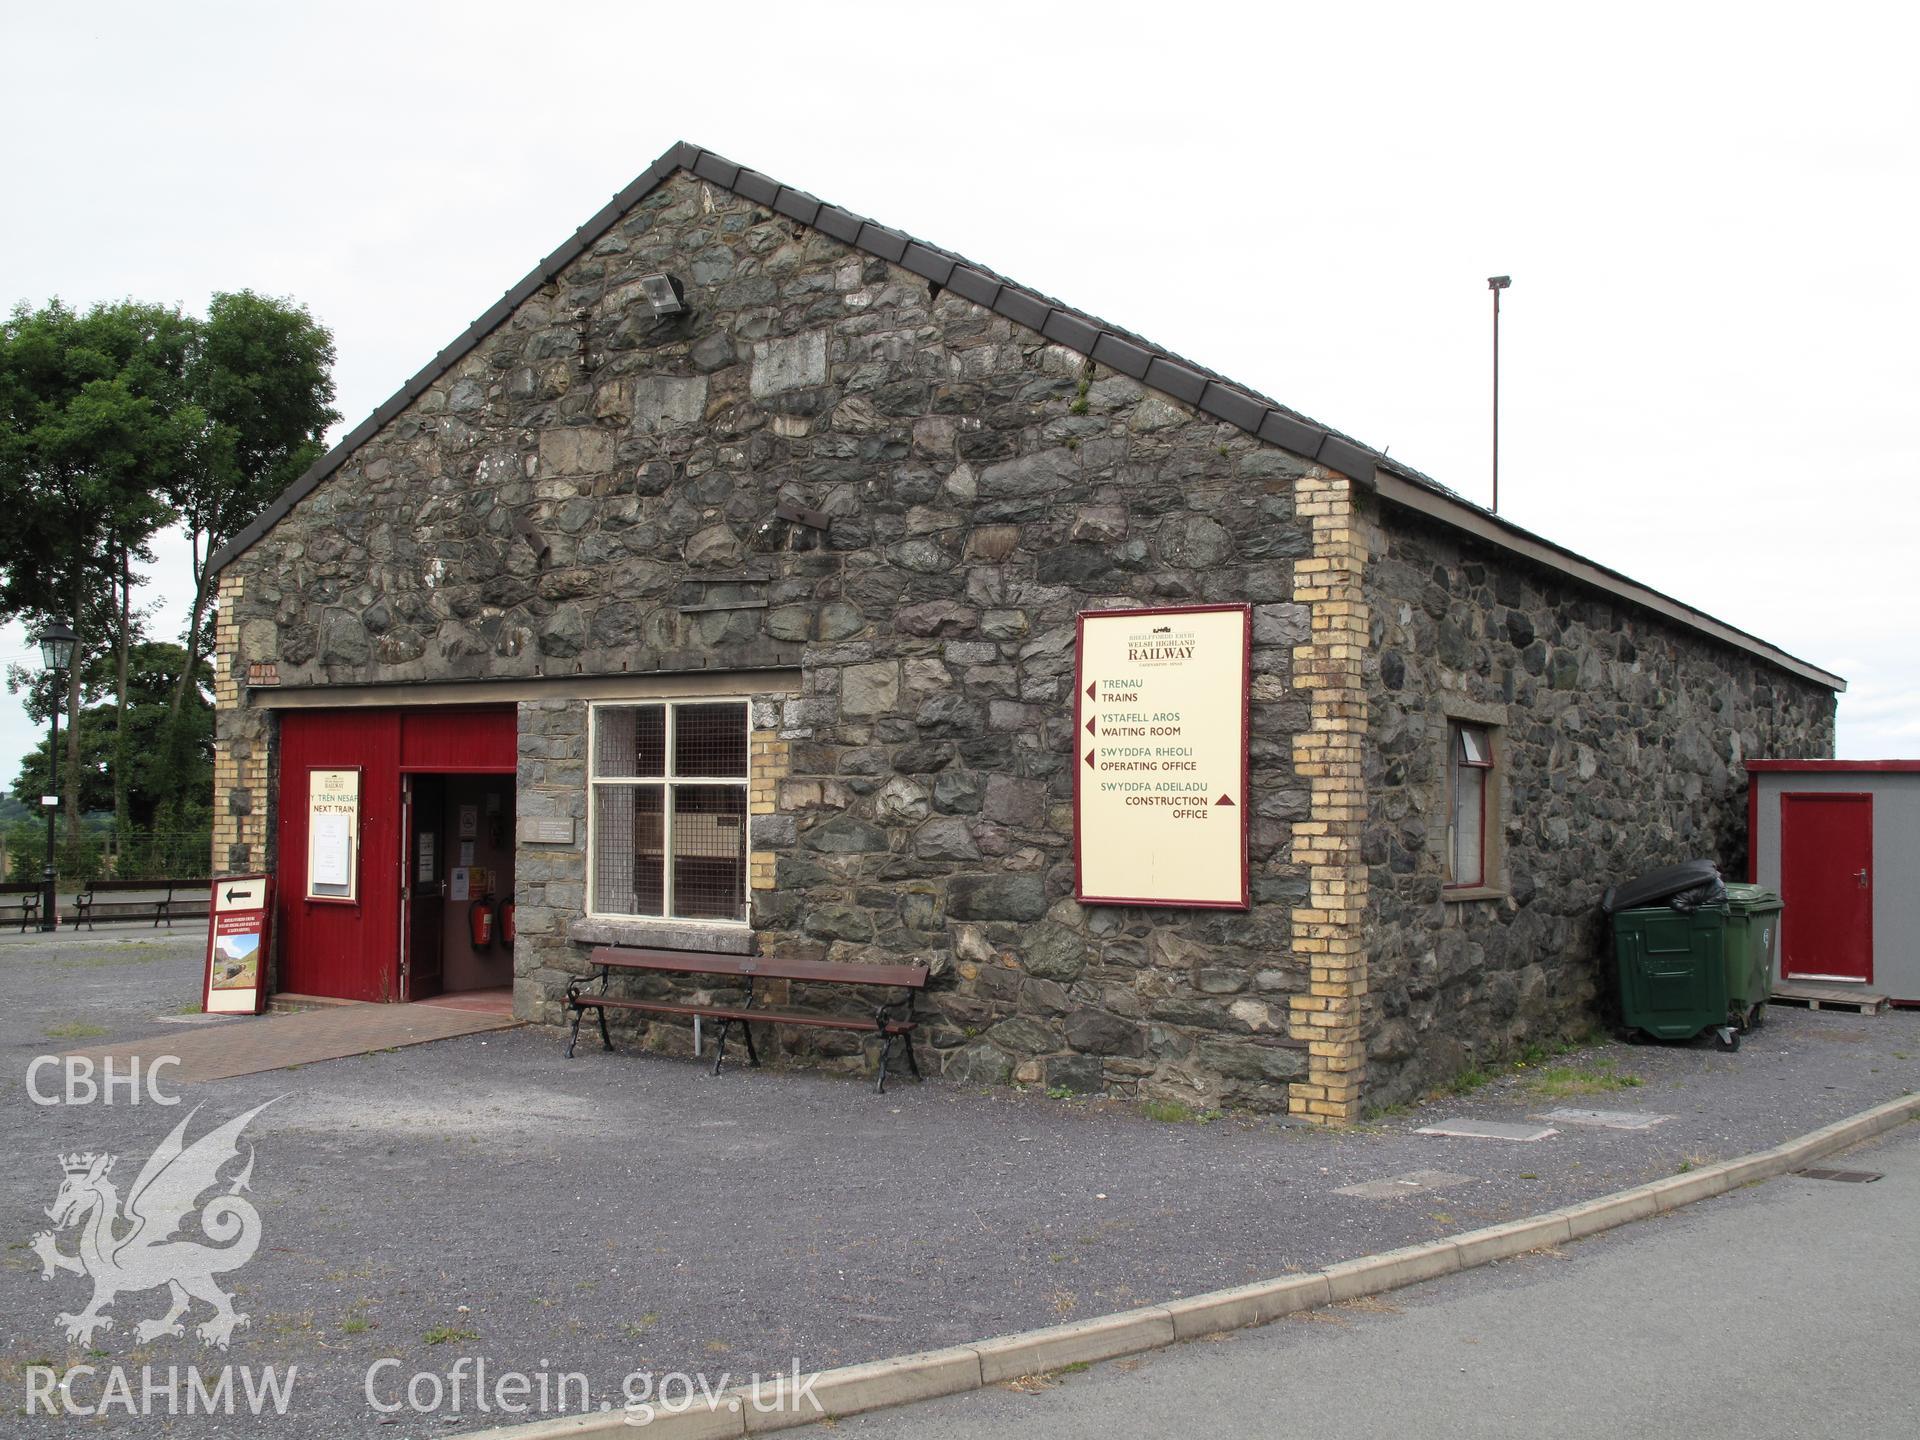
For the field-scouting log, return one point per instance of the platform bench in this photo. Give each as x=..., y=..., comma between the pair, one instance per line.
x=158, y=901
x=891, y=1019
x=24, y=898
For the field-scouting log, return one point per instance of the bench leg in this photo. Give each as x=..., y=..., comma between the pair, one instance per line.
x=606, y=1040
x=574, y=1037
x=886, y=1050
x=913, y=1065
x=720, y=1046
x=746, y=1033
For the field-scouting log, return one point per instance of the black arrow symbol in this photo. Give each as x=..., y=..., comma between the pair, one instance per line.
x=236, y=894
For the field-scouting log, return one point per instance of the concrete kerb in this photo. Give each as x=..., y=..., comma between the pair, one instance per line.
x=1247, y=1305
x=903, y=1379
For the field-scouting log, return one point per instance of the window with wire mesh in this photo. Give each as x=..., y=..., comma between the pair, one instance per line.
x=668, y=810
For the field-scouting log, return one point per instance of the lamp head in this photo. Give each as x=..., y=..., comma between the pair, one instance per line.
x=56, y=641
x=664, y=293
x=1499, y=282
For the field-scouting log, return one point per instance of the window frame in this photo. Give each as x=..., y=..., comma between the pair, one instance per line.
x=1486, y=882
x=667, y=781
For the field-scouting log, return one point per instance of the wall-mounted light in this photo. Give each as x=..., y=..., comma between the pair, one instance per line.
x=664, y=293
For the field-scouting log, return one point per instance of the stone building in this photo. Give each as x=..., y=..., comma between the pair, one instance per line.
x=741, y=489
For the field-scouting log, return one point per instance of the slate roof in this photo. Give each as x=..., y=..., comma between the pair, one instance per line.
x=1121, y=350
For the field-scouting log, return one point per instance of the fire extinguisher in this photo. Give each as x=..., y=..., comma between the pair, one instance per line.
x=506, y=922
x=480, y=924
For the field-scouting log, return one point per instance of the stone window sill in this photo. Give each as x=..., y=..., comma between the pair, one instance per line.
x=710, y=935
x=1473, y=892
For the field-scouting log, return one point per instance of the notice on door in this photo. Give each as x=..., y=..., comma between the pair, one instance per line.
x=333, y=834
x=1160, y=789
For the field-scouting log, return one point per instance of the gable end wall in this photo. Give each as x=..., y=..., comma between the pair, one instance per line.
x=593, y=493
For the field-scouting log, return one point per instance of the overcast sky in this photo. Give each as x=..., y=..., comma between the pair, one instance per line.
x=1710, y=213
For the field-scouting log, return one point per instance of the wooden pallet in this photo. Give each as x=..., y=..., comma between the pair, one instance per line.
x=1816, y=996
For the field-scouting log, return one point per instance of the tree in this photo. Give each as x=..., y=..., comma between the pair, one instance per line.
x=115, y=423
x=95, y=419
x=261, y=379
x=121, y=758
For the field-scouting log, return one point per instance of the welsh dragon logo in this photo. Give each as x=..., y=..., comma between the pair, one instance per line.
x=131, y=1247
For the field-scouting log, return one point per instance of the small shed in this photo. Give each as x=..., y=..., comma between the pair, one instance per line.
x=1840, y=841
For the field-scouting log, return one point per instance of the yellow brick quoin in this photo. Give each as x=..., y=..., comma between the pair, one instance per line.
x=1329, y=928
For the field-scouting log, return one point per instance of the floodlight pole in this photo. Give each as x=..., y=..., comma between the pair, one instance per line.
x=1496, y=283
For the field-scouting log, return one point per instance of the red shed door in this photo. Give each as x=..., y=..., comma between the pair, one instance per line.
x=1826, y=883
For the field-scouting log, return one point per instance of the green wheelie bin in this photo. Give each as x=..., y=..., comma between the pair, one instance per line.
x=1670, y=947
x=1753, y=942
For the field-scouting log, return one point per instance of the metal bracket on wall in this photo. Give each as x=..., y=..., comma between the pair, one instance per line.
x=800, y=515
x=523, y=527
x=583, y=327
x=723, y=592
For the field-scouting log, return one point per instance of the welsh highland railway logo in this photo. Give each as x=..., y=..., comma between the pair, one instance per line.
x=136, y=1244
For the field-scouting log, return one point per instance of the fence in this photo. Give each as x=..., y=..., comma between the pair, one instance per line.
x=144, y=855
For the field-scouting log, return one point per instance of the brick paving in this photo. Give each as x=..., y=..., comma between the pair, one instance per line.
x=274, y=1042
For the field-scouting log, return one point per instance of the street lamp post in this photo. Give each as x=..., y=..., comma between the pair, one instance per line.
x=56, y=654
x=1496, y=283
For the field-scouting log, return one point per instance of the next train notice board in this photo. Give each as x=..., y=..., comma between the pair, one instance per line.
x=1160, y=767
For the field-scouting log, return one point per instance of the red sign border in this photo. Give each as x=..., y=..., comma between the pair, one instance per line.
x=1245, y=901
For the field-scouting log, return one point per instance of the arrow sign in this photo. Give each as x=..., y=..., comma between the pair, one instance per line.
x=237, y=894
x=1090, y=690
x=1224, y=800
x=1090, y=729
x=1089, y=759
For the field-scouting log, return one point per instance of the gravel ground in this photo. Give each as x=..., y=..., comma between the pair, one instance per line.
x=485, y=1197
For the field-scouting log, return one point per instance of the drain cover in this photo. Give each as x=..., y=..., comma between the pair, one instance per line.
x=1848, y=1177
x=1607, y=1119
x=1414, y=1182
x=1486, y=1130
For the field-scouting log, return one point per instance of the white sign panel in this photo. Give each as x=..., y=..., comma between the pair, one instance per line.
x=333, y=834
x=1160, y=789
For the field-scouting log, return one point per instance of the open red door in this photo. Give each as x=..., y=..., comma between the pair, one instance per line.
x=423, y=805
x=1826, y=884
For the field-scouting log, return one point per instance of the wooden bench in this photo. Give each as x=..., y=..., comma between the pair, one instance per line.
x=892, y=1020
x=160, y=902
x=24, y=898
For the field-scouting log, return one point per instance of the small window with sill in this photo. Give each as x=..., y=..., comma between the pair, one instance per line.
x=667, y=810
x=1469, y=795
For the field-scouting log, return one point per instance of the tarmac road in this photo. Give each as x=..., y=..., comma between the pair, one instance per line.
x=486, y=1199
x=1787, y=1309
